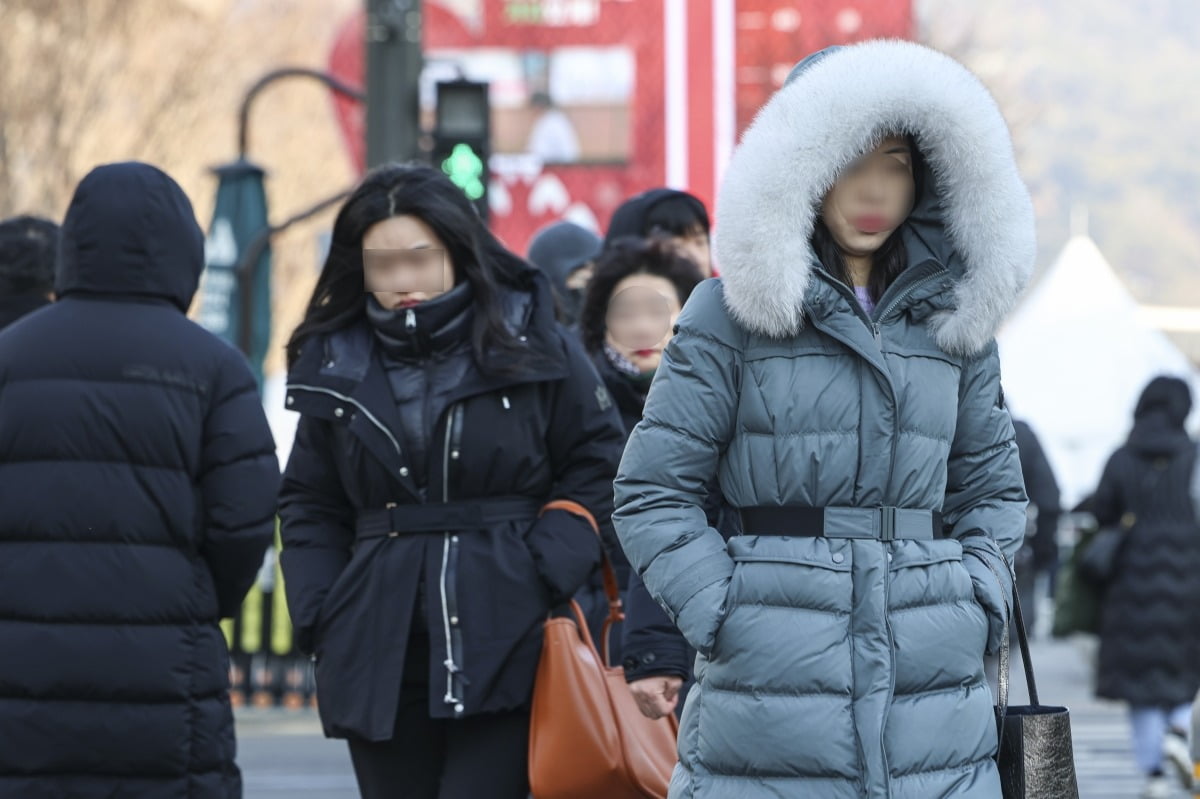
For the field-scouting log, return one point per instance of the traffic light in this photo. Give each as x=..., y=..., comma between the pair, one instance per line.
x=462, y=137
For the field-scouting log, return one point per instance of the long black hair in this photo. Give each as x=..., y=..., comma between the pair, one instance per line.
x=340, y=297
x=625, y=257
x=889, y=260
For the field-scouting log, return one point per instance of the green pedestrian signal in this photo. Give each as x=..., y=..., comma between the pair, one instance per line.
x=462, y=138
x=464, y=167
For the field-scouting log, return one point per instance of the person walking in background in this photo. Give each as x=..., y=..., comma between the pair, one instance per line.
x=1150, y=613
x=1039, y=554
x=842, y=382
x=138, y=481
x=565, y=252
x=454, y=452
x=28, y=252
x=636, y=294
x=676, y=216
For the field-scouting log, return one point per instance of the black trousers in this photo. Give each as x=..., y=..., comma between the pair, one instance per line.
x=476, y=757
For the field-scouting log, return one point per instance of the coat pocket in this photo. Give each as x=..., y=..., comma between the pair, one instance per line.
x=789, y=600
x=939, y=631
x=783, y=652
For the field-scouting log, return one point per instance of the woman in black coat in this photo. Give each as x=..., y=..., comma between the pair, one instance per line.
x=454, y=449
x=639, y=287
x=1150, y=620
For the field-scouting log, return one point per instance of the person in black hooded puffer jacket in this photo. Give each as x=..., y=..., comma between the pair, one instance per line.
x=454, y=451
x=138, y=480
x=1150, y=617
x=675, y=216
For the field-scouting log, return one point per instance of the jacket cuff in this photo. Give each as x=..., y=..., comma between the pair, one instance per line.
x=665, y=661
x=993, y=584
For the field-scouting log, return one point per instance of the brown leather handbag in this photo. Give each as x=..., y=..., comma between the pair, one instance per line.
x=588, y=740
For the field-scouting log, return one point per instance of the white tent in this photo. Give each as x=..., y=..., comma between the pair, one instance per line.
x=1075, y=356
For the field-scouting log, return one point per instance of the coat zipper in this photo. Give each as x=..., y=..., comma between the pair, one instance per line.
x=879, y=317
x=449, y=542
x=908, y=292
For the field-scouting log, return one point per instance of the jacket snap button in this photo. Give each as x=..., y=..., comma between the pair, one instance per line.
x=458, y=708
x=404, y=471
x=838, y=557
x=454, y=539
x=338, y=412
x=454, y=619
x=454, y=455
x=291, y=400
x=648, y=657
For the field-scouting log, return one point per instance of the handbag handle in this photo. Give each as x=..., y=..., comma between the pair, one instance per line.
x=616, y=610
x=1002, y=674
x=1026, y=658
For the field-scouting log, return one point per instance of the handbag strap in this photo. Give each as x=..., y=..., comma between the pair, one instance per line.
x=1004, y=665
x=616, y=611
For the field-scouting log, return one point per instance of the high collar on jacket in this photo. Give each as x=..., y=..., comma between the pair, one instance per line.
x=343, y=360
x=432, y=328
x=974, y=217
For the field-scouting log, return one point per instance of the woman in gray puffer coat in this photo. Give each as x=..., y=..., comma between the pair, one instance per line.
x=842, y=382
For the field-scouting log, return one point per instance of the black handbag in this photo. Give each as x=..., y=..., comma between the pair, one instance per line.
x=1098, y=559
x=1035, y=758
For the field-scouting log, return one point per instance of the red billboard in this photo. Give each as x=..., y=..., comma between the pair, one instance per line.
x=595, y=100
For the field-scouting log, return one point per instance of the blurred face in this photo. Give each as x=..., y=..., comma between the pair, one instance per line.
x=641, y=315
x=405, y=263
x=695, y=245
x=872, y=198
x=579, y=279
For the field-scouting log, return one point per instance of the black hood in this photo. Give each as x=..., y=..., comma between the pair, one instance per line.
x=562, y=247
x=1158, y=420
x=630, y=218
x=130, y=232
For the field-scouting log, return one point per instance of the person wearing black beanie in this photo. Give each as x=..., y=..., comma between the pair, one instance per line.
x=676, y=216
x=28, y=250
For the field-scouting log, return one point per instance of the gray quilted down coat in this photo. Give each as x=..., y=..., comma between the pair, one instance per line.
x=842, y=666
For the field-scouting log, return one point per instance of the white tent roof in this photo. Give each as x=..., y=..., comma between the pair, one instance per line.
x=1075, y=356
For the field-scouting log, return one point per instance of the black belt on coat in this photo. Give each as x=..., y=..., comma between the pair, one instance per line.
x=442, y=517
x=884, y=524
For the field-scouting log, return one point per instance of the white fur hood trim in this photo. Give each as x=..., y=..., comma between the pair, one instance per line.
x=829, y=115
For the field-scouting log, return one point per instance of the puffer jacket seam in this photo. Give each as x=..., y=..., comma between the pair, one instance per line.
x=679, y=431
x=694, y=332
x=768, y=692
x=963, y=767
x=802, y=433
x=950, y=689
x=951, y=604
x=780, y=606
x=921, y=434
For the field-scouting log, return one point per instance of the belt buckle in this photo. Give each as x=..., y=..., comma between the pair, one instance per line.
x=887, y=524
x=391, y=509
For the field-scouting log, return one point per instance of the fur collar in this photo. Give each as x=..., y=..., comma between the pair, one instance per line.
x=979, y=223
